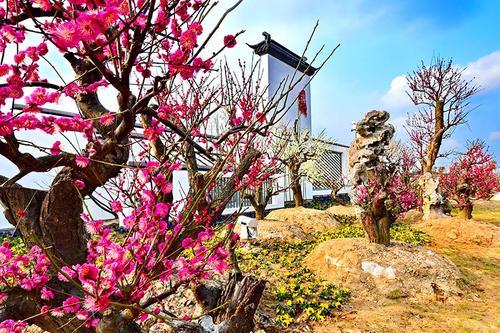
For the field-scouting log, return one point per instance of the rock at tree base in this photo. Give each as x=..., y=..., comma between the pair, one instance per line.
x=295, y=224
x=281, y=231
x=375, y=271
x=433, y=202
x=342, y=210
x=310, y=220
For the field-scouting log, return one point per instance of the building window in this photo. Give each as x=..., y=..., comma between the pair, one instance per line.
x=329, y=165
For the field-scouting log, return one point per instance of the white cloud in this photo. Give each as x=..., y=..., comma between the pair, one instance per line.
x=396, y=99
x=485, y=71
x=495, y=135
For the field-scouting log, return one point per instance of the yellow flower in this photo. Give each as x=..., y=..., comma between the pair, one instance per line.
x=324, y=305
x=285, y=320
x=309, y=311
x=282, y=289
x=300, y=300
x=289, y=303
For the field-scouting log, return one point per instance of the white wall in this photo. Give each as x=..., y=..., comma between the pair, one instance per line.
x=275, y=71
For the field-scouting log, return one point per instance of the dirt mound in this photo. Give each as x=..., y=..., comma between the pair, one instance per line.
x=342, y=210
x=310, y=220
x=455, y=231
x=281, y=231
x=377, y=273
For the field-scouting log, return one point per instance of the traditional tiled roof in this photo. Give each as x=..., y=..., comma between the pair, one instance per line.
x=272, y=47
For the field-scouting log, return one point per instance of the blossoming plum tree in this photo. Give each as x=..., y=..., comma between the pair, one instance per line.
x=272, y=176
x=382, y=176
x=444, y=97
x=299, y=151
x=76, y=275
x=471, y=177
x=403, y=182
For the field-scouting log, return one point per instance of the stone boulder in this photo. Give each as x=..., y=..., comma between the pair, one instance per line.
x=376, y=272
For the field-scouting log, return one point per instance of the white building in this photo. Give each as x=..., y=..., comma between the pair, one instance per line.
x=280, y=67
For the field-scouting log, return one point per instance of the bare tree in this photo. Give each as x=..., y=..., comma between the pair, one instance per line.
x=443, y=96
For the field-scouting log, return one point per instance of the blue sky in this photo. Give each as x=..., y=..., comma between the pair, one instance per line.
x=380, y=42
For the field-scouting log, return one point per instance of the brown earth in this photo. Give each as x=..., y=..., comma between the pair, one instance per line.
x=341, y=210
x=295, y=224
x=281, y=231
x=310, y=220
x=455, y=231
x=473, y=246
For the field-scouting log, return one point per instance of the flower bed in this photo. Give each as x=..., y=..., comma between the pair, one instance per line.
x=296, y=293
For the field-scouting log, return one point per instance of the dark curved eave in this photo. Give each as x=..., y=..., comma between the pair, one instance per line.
x=275, y=49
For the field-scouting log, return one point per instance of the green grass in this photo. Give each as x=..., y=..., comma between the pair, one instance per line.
x=485, y=211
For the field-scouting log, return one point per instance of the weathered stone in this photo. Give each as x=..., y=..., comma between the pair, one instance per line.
x=368, y=165
x=433, y=202
x=377, y=270
x=374, y=272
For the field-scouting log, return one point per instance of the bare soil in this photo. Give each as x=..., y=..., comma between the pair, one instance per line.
x=473, y=246
x=310, y=220
x=295, y=224
x=342, y=210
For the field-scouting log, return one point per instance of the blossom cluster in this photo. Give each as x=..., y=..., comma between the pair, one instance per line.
x=10, y=123
x=472, y=176
x=164, y=239
x=118, y=270
x=399, y=187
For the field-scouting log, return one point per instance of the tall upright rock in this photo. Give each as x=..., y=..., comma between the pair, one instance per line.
x=370, y=170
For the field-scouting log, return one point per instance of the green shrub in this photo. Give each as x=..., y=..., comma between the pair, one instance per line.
x=344, y=219
x=17, y=244
x=403, y=233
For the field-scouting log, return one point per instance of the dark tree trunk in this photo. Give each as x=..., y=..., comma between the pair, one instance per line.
x=238, y=301
x=60, y=222
x=335, y=198
x=298, y=199
x=377, y=223
x=377, y=228
x=465, y=211
x=259, y=198
x=437, y=138
x=244, y=298
x=259, y=212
